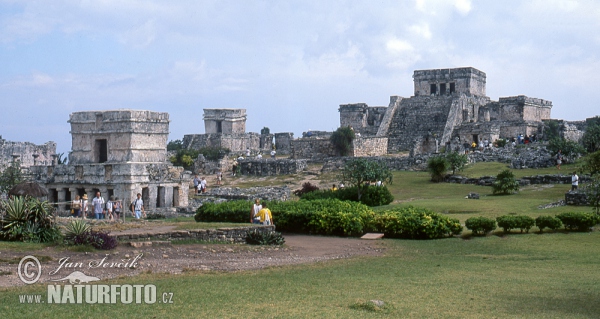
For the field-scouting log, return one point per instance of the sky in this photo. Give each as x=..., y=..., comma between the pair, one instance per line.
x=290, y=64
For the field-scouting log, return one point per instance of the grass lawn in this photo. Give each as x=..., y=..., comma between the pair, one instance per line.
x=517, y=276
x=552, y=275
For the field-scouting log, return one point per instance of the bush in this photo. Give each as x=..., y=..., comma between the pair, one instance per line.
x=579, y=221
x=500, y=142
x=76, y=228
x=591, y=137
x=509, y=222
x=416, y=223
x=437, y=167
x=342, y=139
x=29, y=220
x=457, y=161
x=306, y=188
x=371, y=195
x=155, y=216
x=255, y=237
x=505, y=183
x=97, y=239
x=480, y=225
x=567, y=148
x=548, y=222
x=324, y=216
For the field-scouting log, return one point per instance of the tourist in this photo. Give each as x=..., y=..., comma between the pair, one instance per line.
x=85, y=206
x=76, y=206
x=273, y=153
x=333, y=188
x=203, y=185
x=559, y=159
x=137, y=207
x=219, y=177
x=247, y=152
x=109, y=208
x=379, y=184
x=196, y=183
x=266, y=218
x=574, y=181
x=234, y=167
x=256, y=207
x=117, y=209
x=341, y=185
x=98, y=204
x=259, y=156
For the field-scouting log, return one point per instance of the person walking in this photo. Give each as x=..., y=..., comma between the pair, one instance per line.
x=98, y=205
x=256, y=207
x=84, y=206
x=196, y=184
x=109, y=208
x=559, y=159
x=266, y=218
x=574, y=181
x=117, y=206
x=137, y=207
x=76, y=206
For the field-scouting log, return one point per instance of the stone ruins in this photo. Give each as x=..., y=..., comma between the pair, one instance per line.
x=447, y=105
x=226, y=128
x=28, y=154
x=120, y=153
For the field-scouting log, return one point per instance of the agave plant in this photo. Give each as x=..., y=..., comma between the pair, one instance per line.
x=76, y=227
x=28, y=219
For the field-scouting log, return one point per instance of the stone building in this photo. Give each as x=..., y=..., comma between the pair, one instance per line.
x=447, y=105
x=226, y=128
x=28, y=154
x=120, y=153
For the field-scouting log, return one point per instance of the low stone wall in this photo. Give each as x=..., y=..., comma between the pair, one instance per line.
x=576, y=199
x=271, y=167
x=312, y=148
x=526, y=180
x=369, y=146
x=234, y=235
x=266, y=193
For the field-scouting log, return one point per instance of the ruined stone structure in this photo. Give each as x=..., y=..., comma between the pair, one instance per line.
x=283, y=142
x=120, y=153
x=448, y=104
x=226, y=128
x=28, y=154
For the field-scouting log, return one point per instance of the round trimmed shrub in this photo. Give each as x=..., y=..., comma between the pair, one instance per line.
x=548, y=222
x=579, y=221
x=416, y=223
x=480, y=225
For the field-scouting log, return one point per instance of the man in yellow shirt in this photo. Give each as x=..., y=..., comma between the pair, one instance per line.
x=265, y=215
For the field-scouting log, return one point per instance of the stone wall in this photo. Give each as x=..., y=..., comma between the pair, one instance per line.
x=576, y=199
x=312, y=148
x=362, y=118
x=283, y=142
x=236, y=143
x=464, y=80
x=233, y=234
x=225, y=121
x=526, y=180
x=271, y=167
x=118, y=136
x=369, y=146
x=264, y=193
x=25, y=151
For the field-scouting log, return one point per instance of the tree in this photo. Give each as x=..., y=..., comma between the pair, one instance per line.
x=265, y=131
x=592, y=192
x=10, y=177
x=175, y=145
x=567, y=148
x=437, y=167
x=342, y=140
x=61, y=158
x=358, y=171
x=591, y=138
x=505, y=183
x=457, y=161
x=592, y=163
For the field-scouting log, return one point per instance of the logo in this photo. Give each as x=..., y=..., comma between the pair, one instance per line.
x=77, y=277
x=24, y=270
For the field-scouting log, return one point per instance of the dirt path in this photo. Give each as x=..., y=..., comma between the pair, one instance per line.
x=162, y=257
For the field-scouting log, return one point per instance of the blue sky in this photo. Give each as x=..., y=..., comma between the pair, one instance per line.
x=289, y=63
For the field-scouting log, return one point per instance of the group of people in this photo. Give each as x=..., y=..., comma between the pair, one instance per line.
x=200, y=184
x=260, y=214
x=100, y=209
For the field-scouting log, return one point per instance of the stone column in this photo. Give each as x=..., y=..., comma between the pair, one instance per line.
x=62, y=197
x=35, y=157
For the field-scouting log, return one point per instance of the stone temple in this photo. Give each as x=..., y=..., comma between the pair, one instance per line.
x=120, y=153
x=449, y=106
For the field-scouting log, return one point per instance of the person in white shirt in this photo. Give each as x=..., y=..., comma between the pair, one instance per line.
x=574, y=181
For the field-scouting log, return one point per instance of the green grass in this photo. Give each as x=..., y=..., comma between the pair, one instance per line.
x=517, y=276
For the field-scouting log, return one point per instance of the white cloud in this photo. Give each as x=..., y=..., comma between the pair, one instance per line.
x=421, y=30
x=140, y=36
x=398, y=46
x=463, y=6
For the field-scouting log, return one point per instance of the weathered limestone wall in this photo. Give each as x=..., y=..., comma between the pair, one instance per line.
x=312, y=148
x=226, y=121
x=369, y=146
x=283, y=142
x=362, y=118
x=233, y=235
x=25, y=151
x=129, y=136
x=236, y=143
x=465, y=80
x=271, y=167
x=524, y=108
